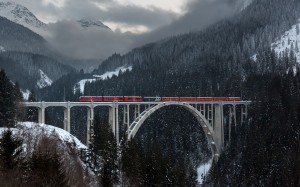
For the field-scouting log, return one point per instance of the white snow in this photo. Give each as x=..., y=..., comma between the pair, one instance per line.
x=21, y=15
x=112, y=73
x=32, y=131
x=202, y=170
x=2, y=49
x=80, y=85
x=290, y=40
x=87, y=22
x=44, y=80
x=254, y=57
x=65, y=136
x=246, y=3
x=25, y=94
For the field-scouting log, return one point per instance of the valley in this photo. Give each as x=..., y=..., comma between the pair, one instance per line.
x=251, y=53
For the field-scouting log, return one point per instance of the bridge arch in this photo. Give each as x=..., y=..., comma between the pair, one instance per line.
x=207, y=128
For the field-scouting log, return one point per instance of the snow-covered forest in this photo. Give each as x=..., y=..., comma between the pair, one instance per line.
x=252, y=54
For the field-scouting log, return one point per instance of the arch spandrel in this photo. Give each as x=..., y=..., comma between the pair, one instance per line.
x=209, y=133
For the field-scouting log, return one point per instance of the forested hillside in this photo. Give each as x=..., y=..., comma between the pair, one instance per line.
x=231, y=58
x=15, y=37
x=25, y=68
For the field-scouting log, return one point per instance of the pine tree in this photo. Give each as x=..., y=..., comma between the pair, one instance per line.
x=105, y=146
x=18, y=100
x=10, y=149
x=32, y=112
x=7, y=102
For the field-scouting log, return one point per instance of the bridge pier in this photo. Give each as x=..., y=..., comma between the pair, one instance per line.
x=41, y=113
x=114, y=119
x=67, y=118
x=126, y=117
x=219, y=126
x=210, y=116
x=90, y=119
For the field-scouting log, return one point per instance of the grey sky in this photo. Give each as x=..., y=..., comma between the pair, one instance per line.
x=151, y=21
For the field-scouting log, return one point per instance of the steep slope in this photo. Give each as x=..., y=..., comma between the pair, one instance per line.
x=289, y=42
x=40, y=137
x=31, y=70
x=15, y=37
x=21, y=15
x=251, y=30
x=90, y=23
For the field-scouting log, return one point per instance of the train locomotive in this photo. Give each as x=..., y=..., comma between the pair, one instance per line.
x=155, y=99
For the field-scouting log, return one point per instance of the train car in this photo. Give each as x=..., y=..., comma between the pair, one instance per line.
x=234, y=98
x=188, y=99
x=204, y=99
x=165, y=99
x=132, y=99
x=110, y=98
x=113, y=98
x=87, y=98
x=157, y=99
x=151, y=99
x=219, y=99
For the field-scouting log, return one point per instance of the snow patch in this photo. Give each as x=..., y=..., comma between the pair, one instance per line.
x=254, y=57
x=80, y=85
x=44, y=80
x=63, y=135
x=112, y=73
x=246, y=3
x=2, y=49
x=89, y=23
x=25, y=94
x=21, y=15
x=202, y=171
x=290, y=40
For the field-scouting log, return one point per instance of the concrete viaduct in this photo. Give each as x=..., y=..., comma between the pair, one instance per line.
x=210, y=116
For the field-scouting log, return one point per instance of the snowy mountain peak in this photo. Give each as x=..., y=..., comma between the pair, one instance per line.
x=88, y=23
x=21, y=15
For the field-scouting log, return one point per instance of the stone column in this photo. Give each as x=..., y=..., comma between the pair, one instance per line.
x=219, y=127
x=67, y=118
x=41, y=112
x=90, y=119
x=114, y=119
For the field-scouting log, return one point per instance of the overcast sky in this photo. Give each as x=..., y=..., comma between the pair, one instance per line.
x=133, y=22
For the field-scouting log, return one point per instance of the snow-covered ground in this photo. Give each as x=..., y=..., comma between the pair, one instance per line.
x=44, y=80
x=202, y=170
x=36, y=130
x=80, y=85
x=290, y=40
x=49, y=129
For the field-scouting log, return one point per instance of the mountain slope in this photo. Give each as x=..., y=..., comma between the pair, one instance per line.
x=15, y=37
x=21, y=15
x=45, y=140
x=32, y=70
x=90, y=23
x=289, y=42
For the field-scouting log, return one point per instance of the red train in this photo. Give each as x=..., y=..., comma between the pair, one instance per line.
x=163, y=99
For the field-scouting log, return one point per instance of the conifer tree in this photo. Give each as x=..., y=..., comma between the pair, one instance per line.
x=10, y=149
x=7, y=101
x=32, y=112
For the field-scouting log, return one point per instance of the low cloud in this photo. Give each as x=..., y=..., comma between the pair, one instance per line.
x=72, y=40
x=69, y=38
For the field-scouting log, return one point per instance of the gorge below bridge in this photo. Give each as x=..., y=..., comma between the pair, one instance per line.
x=210, y=116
